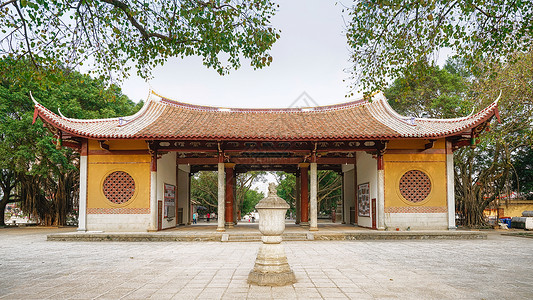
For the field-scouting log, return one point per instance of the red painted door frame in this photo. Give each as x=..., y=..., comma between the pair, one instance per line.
x=159, y=215
x=374, y=226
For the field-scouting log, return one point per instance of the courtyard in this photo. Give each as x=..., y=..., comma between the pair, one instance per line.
x=498, y=267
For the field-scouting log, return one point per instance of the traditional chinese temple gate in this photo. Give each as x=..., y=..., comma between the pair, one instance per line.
x=135, y=170
x=300, y=158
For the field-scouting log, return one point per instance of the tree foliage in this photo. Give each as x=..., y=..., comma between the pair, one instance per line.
x=204, y=190
x=286, y=189
x=7, y=191
x=46, y=177
x=522, y=176
x=483, y=174
x=391, y=38
x=250, y=200
x=328, y=193
x=113, y=35
x=435, y=94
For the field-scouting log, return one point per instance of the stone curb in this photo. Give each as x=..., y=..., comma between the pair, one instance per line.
x=255, y=237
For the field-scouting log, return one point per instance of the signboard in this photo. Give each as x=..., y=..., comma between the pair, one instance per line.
x=363, y=199
x=170, y=201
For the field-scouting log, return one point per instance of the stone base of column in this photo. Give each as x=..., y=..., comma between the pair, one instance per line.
x=271, y=267
x=313, y=228
x=452, y=228
x=304, y=224
x=229, y=225
x=221, y=229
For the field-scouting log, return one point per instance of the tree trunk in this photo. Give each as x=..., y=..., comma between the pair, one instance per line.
x=3, y=205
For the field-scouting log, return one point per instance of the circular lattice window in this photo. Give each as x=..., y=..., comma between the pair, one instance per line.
x=415, y=186
x=119, y=187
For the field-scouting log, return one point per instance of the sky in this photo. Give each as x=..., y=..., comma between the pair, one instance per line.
x=310, y=62
x=309, y=59
x=308, y=68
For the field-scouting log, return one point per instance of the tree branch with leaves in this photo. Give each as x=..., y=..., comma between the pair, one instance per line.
x=111, y=36
x=392, y=38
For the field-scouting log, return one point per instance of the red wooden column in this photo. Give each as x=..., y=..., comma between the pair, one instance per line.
x=154, y=213
x=229, y=194
x=304, y=194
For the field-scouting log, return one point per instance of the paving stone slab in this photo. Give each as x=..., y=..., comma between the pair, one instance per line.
x=359, y=269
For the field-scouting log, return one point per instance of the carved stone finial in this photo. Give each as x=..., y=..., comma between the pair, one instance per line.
x=271, y=266
x=272, y=191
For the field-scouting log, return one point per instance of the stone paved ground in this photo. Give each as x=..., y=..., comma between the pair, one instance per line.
x=500, y=267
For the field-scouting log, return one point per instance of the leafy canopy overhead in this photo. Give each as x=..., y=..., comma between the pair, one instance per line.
x=391, y=38
x=113, y=34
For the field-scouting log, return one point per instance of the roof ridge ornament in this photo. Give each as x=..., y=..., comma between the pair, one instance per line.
x=61, y=114
x=33, y=99
x=35, y=110
x=497, y=111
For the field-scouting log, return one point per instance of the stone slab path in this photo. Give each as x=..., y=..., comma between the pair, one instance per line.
x=499, y=267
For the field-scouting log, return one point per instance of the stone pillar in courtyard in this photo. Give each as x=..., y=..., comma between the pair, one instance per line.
x=271, y=266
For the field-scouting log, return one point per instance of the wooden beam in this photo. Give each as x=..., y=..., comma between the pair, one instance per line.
x=335, y=160
x=267, y=160
x=198, y=160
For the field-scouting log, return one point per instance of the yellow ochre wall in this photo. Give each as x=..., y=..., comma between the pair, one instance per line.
x=100, y=165
x=433, y=163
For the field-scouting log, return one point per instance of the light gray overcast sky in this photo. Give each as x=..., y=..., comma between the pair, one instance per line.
x=310, y=56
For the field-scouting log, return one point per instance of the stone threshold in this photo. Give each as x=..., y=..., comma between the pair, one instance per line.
x=256, y=237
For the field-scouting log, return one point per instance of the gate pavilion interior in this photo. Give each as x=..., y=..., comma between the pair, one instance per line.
x=135, y=170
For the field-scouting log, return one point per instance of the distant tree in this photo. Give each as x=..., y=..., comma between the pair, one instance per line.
x=485, y=173
x=7, y=191
x=287, y=189
x=329, y=189
x=522, y=175
x=112, y=35
x=435, y=94
x=391, y=38
x=245, y=196
x=46, y=175
x=250, y=200
x=204, y=190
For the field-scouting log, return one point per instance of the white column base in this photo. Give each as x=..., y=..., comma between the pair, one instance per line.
x=380, y=205
x=82, y=206
x=153, y=201
x=450, y=186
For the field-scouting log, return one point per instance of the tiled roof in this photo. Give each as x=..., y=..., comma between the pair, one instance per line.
x=161, y=118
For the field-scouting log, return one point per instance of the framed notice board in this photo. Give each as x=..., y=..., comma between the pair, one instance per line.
x=170, y=201
x=363, y=199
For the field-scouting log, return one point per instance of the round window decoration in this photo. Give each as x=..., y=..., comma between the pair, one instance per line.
x=415, y=186
x=119, y=187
